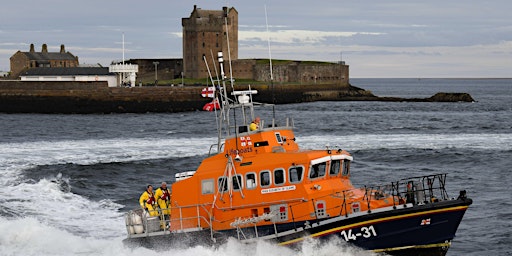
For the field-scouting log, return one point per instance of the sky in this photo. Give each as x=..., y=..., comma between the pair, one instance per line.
x=380, y=39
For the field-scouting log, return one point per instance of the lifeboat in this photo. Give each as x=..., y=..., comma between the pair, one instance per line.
x=261, y=185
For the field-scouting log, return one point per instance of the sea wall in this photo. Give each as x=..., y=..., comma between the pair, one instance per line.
x=97, y=97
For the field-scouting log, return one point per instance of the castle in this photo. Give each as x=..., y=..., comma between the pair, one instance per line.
x=205, y=33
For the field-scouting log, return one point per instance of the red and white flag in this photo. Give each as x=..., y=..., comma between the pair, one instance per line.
x=208, y=92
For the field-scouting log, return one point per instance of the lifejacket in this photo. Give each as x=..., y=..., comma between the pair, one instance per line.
x=147, y=199
x=163, y=194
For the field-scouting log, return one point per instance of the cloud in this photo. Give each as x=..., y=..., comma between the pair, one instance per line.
x=296, y=36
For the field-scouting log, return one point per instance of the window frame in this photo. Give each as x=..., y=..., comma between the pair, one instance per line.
x=301, y=177
x=284, y=176
x=269, y=177
x=331, y=166
x=318, y=176
x=225, y=185
x=240, y=182
x=204, y=184
x=255, y=180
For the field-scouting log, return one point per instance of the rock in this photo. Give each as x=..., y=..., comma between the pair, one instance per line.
x=451, y=97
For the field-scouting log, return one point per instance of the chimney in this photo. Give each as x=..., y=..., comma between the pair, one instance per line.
x=32, y=48
x=62, y=49
x=225, y=10
x=45, y=48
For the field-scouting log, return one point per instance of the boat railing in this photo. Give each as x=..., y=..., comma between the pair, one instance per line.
x=423, y=189
x=189, y=218
x=411, y=191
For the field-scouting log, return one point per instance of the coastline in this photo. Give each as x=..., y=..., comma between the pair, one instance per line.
x=96, y=97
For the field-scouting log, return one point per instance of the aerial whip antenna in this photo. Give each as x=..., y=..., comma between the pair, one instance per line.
x=271, y=72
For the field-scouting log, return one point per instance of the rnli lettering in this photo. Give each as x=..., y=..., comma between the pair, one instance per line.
x=240, y=151
x=279, y=189
x=365, y=232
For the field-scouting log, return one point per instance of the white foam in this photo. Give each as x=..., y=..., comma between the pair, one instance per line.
x=46, y=201
x=418, y=141
x=28, y=236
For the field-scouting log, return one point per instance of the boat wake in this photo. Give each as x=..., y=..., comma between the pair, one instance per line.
x=45, y=239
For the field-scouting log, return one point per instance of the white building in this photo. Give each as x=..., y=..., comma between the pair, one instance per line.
x=80, y=74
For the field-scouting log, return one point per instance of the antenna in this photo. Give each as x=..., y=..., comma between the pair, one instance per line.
x=269, y=52
x=123, y=48
x=271, y=72
x=229, y=54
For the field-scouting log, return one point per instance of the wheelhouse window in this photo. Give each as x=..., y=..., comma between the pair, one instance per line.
x=346, y=168
x=250, y=180
x=279, y=139
x=295, y=174
x=237, y=182
x=265, y=179
x=279, y=178
x=223, y=184
x=317, y=170
x=335, y=167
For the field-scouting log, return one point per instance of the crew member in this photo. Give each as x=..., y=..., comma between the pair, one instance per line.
x=163, y=198
x=255, y=124
x=147, y=201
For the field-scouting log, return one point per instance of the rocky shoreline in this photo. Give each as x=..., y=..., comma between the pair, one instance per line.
x=96, y=97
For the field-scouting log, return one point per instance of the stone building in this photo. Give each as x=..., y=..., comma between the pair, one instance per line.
x=158, y=69
x=21, y=61
x=206, y=32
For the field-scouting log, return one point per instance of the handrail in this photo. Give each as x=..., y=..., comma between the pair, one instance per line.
x=417, y=191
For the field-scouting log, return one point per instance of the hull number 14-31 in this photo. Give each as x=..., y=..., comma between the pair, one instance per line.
x=365, y=232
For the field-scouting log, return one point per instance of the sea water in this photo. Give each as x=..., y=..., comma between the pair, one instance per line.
x=67, y=180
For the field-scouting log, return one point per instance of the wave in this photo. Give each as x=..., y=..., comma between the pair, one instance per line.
x=413, y=141
x=51, y=202
x=19, y=156
x=29, y=236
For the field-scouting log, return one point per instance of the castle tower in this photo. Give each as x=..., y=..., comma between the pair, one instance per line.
x=204, y=33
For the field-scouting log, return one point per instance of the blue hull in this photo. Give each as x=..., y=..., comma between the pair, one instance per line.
x=405, y=231
x=416, y=230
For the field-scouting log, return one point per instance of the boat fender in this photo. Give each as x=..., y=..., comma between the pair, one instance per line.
x=138, y=229
x=136, y=219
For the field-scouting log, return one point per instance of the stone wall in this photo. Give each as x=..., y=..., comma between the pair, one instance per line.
x=168, y=69
x=95, y=97
x=292, y=72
